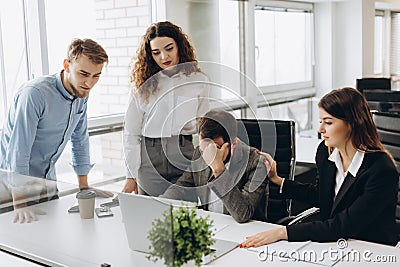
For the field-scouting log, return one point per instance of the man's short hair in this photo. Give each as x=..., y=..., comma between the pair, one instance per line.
x=89, y=48
x=218, y=123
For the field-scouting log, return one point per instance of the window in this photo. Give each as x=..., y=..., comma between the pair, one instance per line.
x=36, y=34
x=81, y=26
x=45, y=28
x=379, y=42
x=283, y=35
x=13, y=57
x=395, y=45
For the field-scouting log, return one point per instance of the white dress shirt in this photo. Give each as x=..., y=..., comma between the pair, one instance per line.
x=353, y=168
x=173, y=110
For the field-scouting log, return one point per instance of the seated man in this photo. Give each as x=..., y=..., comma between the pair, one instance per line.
x=225, y=175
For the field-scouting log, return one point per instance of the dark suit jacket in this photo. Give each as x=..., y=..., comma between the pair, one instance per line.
x=242, y=188
x=364, y=208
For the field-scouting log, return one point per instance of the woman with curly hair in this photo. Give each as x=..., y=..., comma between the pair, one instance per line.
x=170, y=93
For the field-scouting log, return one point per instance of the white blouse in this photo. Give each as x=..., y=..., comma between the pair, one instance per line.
x=340, y=173
x=173, y=110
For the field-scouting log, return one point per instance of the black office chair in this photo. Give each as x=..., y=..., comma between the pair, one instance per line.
x=276, y=137
x=383, y=100
x=373, y=83
x=388, y=126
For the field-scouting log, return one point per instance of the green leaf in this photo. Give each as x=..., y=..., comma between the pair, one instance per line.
x=191, y=238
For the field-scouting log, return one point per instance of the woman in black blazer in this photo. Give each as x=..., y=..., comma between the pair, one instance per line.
x=358, y=182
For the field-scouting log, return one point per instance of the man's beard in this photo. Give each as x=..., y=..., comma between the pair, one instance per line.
x=79, y=94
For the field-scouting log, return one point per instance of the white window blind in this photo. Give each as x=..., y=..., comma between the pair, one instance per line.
x=395, y=45
x=378, y=42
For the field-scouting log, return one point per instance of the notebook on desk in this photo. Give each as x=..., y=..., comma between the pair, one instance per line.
x=139, y=212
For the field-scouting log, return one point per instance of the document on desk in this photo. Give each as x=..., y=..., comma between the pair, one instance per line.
x=215, y=228
x=282, y=247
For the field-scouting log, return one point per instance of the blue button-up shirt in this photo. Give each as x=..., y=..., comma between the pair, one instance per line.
x=41, y=120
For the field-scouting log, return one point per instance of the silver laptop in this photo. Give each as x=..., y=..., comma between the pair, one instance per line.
x=139, y=212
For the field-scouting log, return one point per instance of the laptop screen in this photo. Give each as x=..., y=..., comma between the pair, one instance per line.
x=138, y=214
x=141, y=213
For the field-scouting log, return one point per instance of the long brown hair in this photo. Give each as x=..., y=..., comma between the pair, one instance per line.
x=145, y=66
x=349, y=105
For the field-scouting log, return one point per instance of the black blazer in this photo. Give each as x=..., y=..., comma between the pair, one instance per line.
x=364, y=208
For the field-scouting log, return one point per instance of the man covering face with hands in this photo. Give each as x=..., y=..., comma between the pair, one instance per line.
x=225, y=174
x=214, y=154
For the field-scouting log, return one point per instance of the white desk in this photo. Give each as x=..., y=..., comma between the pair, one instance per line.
x=13, y=261
x=62, y=239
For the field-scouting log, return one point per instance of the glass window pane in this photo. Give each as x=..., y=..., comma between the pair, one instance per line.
x=292, y=42
x=83, y=25
x=105, y=152
x=115, y=26
x=378, y=45
x=265, y=47
x=15, y=71
x=283, y=47
x=64, y=24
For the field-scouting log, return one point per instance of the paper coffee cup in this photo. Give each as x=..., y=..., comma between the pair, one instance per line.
x=86, y=204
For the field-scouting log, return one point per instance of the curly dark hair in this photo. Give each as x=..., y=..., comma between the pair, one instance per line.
x=145, y=66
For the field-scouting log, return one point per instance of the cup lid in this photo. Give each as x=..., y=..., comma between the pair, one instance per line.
x=85, y=194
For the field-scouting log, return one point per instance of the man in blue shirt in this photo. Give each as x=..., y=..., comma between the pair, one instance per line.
x=50, y=110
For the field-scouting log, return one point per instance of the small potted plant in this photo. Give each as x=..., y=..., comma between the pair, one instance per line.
x=190, y=241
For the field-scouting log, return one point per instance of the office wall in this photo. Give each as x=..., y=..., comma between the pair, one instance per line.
x=347, y=43
x=368, y=36
x=344, y=43
x=323, y=17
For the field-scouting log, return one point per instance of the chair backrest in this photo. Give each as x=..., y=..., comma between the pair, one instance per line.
x=383, y=100
x=382, y=95
x=373, y=83
x=388, y=126
x=276, y=137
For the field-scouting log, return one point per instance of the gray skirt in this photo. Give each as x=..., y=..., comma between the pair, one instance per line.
x=163, y=160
